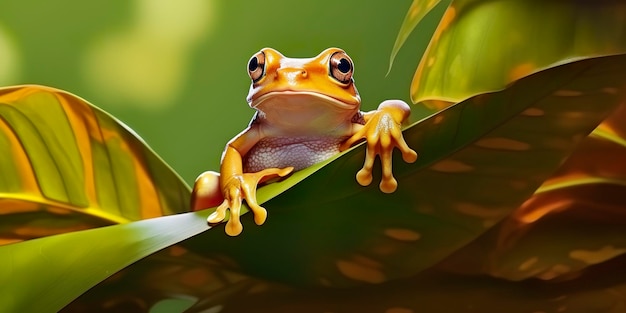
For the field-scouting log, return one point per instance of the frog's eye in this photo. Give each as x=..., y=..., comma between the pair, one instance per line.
x=340, y=67
x=256, y=66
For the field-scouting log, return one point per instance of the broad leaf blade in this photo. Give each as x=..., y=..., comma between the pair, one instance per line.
x=69, y=166
x=482, y=46
x=45, y=274
x=575, y=220
x=64, y=159
x=479, y=160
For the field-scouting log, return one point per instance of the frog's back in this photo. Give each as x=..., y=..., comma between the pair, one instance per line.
x=299, y=152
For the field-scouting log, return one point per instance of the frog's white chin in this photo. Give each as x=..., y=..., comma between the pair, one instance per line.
x=304, y=112
x=294, y=99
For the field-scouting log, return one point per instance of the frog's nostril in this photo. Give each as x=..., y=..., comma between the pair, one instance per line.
x=292, y=75
x=295, y=75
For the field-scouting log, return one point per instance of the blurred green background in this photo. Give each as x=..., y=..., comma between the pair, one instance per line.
x=175, y=70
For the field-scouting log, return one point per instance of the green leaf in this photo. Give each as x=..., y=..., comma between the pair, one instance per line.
x=576, y=219
x=484, y=294
x=45, y=274
x=474, y=169
x=417, y=11
x=479, y=160
x=481, y=46
x=68, y=166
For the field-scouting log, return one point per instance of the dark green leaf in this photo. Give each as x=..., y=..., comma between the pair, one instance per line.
x=576, y=219
x=599, y=290
x=479, y=160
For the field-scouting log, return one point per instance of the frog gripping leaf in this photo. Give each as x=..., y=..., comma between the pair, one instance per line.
x=307, y=110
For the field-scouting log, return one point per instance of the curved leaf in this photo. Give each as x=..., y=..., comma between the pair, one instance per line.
x=482, y=46
x=479, y=160
x=417, y=11
x=45, y=274
x=196, y=283
x=68, y=166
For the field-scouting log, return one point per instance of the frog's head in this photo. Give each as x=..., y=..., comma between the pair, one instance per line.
x=311, y=86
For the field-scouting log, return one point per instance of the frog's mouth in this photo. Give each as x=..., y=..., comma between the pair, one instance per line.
x=304, y=112
x=289, y=99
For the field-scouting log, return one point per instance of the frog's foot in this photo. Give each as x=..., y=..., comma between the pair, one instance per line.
x=206, y=191
x=238, y=188
x=383, y=133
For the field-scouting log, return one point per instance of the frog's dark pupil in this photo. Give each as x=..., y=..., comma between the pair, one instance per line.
x=253, y=65
x=344, y=65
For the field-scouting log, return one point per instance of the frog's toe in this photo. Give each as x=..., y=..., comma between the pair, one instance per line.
x=215, y=218
x=282, y=172
x=254, y=178
x=408, y=155
x=388, y=185
x=233, y=227
x=219, y=214
x=260, y=214
x=364, y=177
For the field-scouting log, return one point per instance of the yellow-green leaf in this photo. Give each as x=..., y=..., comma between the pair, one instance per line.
x=67, y=166
x=45, y=274
x=482, y=46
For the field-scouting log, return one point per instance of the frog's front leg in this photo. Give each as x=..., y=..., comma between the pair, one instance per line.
x=233, y=186
x=383, y=132
x=235, y=190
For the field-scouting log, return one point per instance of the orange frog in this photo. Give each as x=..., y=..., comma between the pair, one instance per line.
x=307, y=110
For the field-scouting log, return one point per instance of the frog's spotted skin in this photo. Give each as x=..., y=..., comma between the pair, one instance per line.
x=297, y=152
x=307, y=110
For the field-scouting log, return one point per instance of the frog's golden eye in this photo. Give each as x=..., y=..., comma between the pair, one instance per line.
x=340, y=67
x=256, y=66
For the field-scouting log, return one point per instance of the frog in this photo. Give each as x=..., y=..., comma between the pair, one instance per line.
x=306, y=111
